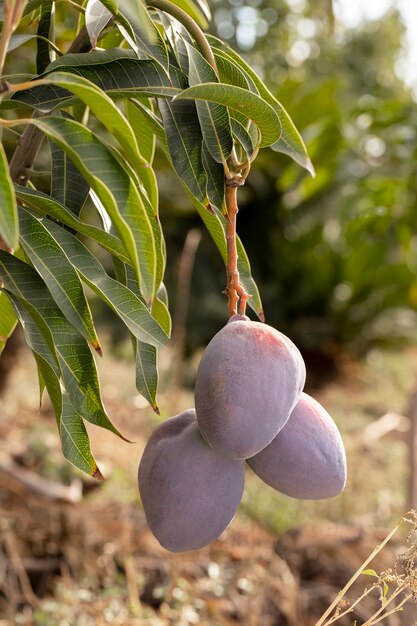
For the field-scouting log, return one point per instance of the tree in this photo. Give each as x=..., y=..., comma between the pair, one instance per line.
x=156, y=77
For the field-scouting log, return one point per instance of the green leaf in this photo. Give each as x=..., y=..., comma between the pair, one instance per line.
x=251, y=105
x=370, y=572
x=103, y=108
x=9, y=227
x=147, y=372
x=19, y=40
x=231, y=73
x=43, y=204
x=243, y=137
x=146, y=145
x=117, y=72
x=8, y=320
x=45, y=28
x=154, y=122
x=68, y=186
x=214, y=118
x=59, y=275
x=119, y=298
x=32, y=5
x=148, y=39
x=97, y=16
x=195, y=10
x=116, y=191
x=41, y=344
x=160, y=310
x=184, y=140
x=74, y=440
x=76, y=363
x=290, y=141
x=215, y=180
x=145, y=135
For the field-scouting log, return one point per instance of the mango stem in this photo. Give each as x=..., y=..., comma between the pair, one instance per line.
x=236, y=294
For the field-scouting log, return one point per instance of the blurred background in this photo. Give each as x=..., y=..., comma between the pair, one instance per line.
x=335, y=261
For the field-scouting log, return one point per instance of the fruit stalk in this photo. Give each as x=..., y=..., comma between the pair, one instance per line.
x=236, y=294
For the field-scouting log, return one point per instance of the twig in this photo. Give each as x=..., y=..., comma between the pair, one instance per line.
x=237, y=296
x=37, y=484
x=412, y=452
x=185, y=270
x=356, y=575
x=18, y=567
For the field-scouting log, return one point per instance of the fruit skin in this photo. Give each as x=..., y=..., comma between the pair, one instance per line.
x=249, y=380
x=190, y=493
x=307, y=459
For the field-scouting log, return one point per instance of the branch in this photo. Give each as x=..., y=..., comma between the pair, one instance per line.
x=47, y=488
x=236, y=294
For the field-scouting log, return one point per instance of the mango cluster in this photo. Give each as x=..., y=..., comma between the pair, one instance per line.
x=249, y=405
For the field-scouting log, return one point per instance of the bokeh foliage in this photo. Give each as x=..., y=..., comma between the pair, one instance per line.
x=334, y=256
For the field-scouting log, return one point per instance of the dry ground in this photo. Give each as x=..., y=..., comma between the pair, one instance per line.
x=280, y=563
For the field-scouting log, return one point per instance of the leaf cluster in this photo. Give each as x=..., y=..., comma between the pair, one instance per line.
x=103, y=106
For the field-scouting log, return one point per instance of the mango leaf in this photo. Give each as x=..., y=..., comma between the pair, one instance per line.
x=154, y=122
x=8, y=320
x=76, y=363
x=231, y=73
x=246, y=102
x=152, y=213
x=204, y=8
x=176, y=36
x=9, y=227
x=290, y=141
x=160, y=310
x=117, y=72
x=119, y=298
x=197, y=11
x=145, y=135
x=42, y=204
x=111, y=5
x=68, y=186
x=146, y=368
x=44, y=353
x=32, y=5
x=59, y=275
x=45, y=28
x=214, y=118
x=146, y=146
x=19, y=40
x=74, y=440
x=215, y=180
x=97, y=16
x=184, y=140
x=116, y=191
x=148, y=39
x=242, y=136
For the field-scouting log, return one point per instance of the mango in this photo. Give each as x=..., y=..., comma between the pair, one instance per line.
x=307, y=459
x=249, y=380
x=189, y=492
